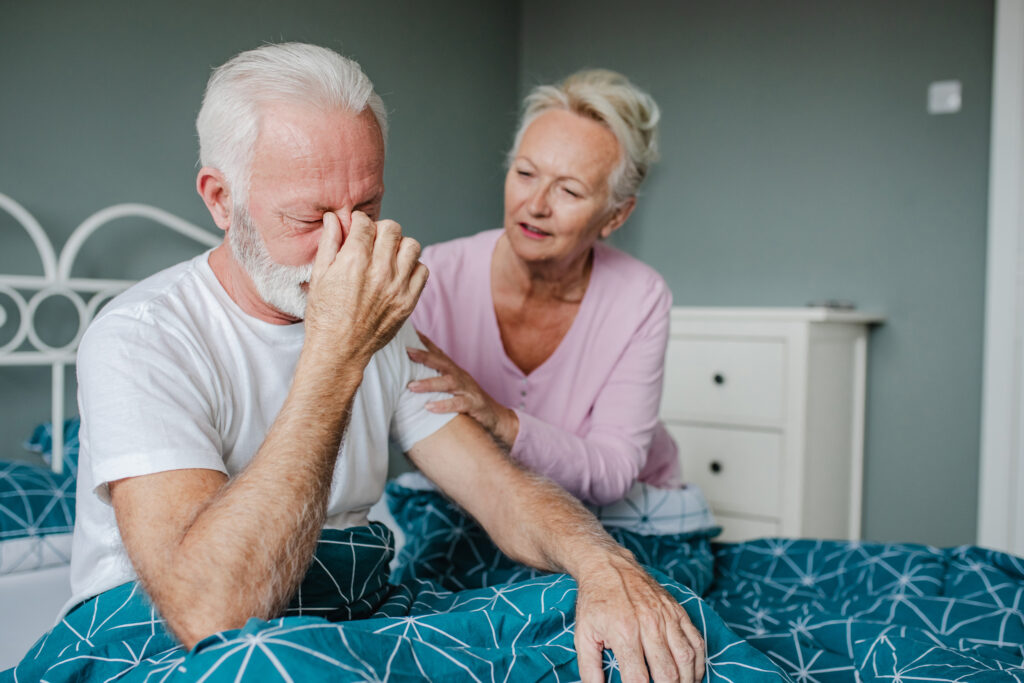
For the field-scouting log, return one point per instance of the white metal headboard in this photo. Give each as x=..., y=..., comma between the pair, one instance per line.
x=86, y=294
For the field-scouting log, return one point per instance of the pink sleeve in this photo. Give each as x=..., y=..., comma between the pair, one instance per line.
x=601, y=466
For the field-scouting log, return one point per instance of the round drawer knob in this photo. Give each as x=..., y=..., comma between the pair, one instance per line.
x=715, y=467
x=718, y=379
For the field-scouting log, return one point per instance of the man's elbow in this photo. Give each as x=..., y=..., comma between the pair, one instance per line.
x=191, y=623
x=191, y=630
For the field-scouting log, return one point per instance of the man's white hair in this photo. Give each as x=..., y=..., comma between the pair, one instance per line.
x=610, y=99
x=298, y=73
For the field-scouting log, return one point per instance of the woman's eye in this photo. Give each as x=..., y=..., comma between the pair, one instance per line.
x=524, y=174
x=571, y=193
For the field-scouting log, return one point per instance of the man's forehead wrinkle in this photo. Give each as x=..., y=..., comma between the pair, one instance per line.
x=318, y=161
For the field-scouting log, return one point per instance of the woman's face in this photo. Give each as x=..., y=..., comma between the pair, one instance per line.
x=556, y=190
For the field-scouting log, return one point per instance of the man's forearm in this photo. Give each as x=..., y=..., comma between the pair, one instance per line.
x=548, y=528
x=532, y=520
x=247, y=549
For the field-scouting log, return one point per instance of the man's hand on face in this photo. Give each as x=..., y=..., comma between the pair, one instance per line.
x=364, y=286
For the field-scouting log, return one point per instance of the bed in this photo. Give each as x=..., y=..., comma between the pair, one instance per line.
x=37, y=503
x=454, y=607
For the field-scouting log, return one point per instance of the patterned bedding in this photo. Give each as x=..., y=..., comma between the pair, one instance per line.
x=37, y=507
x=456, y=608
x=37, y=515
x=821, y=610
x=414, y=630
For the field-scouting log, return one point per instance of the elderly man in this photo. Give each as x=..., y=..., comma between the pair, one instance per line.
x=235, y=405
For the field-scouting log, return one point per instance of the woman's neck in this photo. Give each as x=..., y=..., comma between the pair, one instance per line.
x=563, y=282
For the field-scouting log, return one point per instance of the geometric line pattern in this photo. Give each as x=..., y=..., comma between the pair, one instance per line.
x=836, y=611
x=415, y=631
x=37, y=516
x=445, y=546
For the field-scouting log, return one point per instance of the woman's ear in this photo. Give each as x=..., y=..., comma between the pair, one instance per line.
x=213, y=188
x=618, y=217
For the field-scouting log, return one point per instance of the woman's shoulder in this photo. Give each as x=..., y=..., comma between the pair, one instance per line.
x=625, y=272
x=633, y=295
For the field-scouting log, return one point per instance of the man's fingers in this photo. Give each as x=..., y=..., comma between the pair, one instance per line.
x=697, y=643
x=408, y=256
x=361, y=235
x=385, y=247
x=682, y=655
x=418, y=280
x=662, y=657
x=330, y=242
x=630, y=656
x=588, y=657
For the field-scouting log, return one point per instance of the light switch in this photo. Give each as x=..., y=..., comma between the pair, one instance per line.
x=944, y=97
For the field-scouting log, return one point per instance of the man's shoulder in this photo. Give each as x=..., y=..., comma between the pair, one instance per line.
x=155, y=306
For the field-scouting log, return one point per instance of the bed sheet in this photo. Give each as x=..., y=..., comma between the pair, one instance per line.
x=412, y=630
x=820, y=610
x=455, y=607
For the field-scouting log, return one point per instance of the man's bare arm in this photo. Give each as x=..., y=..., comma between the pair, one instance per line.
x=212, y=552
x=619, y=606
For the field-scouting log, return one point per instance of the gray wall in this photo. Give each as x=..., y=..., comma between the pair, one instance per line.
x=799, y=164
x=98, y=102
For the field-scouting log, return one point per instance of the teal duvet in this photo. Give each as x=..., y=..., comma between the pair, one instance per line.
x=456, y=609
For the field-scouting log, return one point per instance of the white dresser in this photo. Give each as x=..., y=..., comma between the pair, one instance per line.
x=767, y=406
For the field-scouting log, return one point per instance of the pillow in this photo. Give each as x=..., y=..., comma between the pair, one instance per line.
x=41, y=442
x=34, y=501
x=37, y=515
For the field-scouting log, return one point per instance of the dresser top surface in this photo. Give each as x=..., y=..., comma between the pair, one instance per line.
x=805, y=313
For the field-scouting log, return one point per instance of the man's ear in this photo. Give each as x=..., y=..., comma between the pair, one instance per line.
x=618, y=217
x=213, y=188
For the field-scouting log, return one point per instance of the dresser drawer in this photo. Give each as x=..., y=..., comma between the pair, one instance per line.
x=723, y=380
x=737, y=529
x=739, y=471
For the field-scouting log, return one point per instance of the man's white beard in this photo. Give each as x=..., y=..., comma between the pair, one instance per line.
x=278, y=285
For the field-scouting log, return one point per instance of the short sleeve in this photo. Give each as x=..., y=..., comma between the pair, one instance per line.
x=411, y=421
x=144, y=399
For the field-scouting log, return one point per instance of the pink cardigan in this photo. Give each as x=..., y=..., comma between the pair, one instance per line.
x=588, y=416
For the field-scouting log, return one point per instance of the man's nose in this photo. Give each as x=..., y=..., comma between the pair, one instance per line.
x=345, y=216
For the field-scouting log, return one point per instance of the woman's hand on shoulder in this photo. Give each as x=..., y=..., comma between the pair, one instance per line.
x=467, y=396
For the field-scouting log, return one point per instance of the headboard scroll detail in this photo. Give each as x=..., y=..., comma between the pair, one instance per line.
x=87, y=295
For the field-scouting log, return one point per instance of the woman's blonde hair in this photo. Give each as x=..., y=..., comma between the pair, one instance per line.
x=610, y=99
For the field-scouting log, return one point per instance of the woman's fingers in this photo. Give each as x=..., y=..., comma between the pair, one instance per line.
x=435, y=361
x=443, y=383
x=455, y=404
x=431, y=346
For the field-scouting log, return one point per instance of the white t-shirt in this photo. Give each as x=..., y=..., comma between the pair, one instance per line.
x=174, y=375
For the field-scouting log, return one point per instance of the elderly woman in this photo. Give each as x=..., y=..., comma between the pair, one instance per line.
x=549, y=338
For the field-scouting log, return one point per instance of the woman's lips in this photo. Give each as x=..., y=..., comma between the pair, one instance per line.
x=532, y=232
